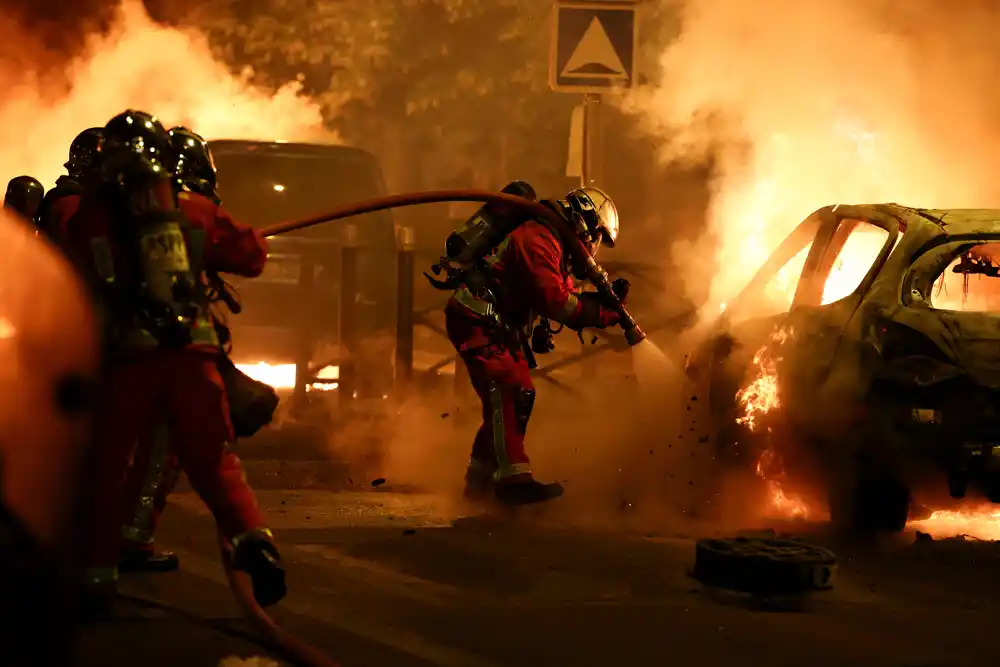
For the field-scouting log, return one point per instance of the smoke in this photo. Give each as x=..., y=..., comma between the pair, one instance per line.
x=804, y=104
x=137, y=63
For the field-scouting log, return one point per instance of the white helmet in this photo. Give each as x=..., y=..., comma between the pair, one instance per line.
x=598, y=212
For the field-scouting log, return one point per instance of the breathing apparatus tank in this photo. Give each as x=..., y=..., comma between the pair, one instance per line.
x=138, y=161
x=477, y=237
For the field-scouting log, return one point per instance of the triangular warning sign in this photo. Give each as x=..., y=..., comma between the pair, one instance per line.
x=595, y=56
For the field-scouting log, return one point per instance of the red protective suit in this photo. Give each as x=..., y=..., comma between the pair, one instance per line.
x=529, y=277
x=148, y=383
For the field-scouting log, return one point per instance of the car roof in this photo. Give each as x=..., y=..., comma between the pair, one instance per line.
x=950, y=220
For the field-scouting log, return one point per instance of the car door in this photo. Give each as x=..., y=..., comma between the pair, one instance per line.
x=720, y=366
x=851, y=247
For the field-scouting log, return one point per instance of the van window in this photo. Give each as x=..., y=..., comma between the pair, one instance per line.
x=265, y=188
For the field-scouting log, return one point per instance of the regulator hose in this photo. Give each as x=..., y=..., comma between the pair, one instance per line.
x=583, y=262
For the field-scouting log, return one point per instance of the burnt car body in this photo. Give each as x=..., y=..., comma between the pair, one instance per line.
x=885, y=383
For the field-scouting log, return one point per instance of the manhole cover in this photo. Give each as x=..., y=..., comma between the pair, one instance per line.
x=764, y=566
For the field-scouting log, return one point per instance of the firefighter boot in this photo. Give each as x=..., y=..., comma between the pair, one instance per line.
x=525, y=490
x=143, y=559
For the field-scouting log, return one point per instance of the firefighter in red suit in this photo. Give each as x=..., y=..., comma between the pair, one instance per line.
x=529, y=275
x=144, y=258
x=155, y=469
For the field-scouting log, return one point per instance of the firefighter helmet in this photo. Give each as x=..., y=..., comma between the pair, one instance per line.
x=84, y=152
x=599, y=213
x=136, y=146
x=195, y=169
x=24, y=195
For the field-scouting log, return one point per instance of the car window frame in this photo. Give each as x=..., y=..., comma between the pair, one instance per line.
x=821, y=259
x=958, y=241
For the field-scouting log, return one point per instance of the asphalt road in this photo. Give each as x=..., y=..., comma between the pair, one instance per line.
x=385, y=578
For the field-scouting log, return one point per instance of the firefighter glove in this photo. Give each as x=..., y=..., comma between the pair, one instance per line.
x=257, y=555
x=621, y=287
x=593, y=314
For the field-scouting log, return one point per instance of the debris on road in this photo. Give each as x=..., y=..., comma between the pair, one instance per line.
x=764, y=567
x=378, y=482
x=410, y=531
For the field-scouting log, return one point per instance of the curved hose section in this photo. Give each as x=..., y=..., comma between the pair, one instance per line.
x=283, y=642
x=583, y=261
x=577, y=249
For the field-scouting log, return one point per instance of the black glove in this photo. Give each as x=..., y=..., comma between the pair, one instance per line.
x=621, y=287
x=257, y=556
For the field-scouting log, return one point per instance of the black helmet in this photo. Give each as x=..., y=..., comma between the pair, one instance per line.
x=520, y=189
x=136, y=146
x=599, y=214
x=195, y=168
x=84, y=152
x=24, y=195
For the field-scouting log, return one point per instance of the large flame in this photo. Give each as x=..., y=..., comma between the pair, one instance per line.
x=138, y=64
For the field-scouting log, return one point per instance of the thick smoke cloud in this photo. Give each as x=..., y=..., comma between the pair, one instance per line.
x=805, y=104
x=48, y=97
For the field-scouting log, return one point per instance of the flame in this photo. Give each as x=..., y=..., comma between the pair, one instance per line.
x=977, y=521
x=761, y=395
x=139, y=64
x=795, y=117
x=758, y=398
x=282, y=376
x=780, y=502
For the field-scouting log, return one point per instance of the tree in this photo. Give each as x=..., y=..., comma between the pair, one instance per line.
x=450, y=86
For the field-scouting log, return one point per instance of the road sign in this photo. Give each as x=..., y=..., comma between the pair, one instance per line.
x=593, y=47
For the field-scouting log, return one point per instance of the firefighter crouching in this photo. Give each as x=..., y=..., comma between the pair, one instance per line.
x=490, y=324
x=155, y=468
x=144, y=258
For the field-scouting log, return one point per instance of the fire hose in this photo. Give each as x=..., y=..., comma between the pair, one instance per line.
x=584, y=263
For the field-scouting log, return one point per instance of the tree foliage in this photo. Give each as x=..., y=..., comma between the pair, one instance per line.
x=452, y=86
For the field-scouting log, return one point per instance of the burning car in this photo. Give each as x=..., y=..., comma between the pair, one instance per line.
x=863, y=359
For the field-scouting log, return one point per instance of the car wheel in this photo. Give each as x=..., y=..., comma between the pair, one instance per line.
x=868, y=501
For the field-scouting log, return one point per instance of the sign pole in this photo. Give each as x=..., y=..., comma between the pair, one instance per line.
x=592, y=175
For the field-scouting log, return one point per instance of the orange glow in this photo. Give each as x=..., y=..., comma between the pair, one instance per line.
x=138, y=64
x=282, y=376
x=979, y=521
x=780, y=502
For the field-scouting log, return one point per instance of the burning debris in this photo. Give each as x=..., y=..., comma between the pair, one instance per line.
x=761, y=395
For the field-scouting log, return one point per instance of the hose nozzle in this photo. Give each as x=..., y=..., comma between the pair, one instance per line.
x=635, y=335
x=599, y=278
